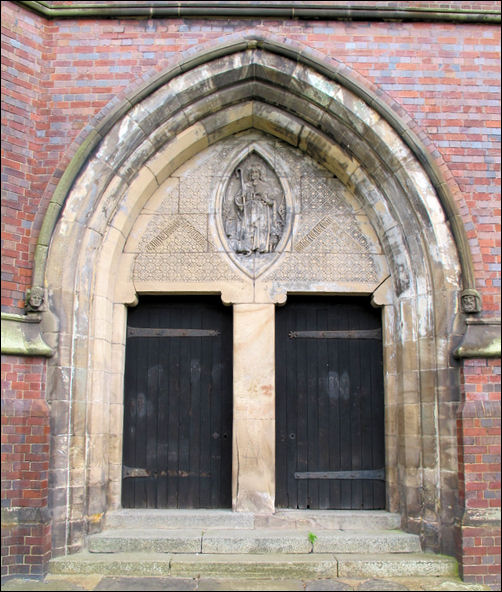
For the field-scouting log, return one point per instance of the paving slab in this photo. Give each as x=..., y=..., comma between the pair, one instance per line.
x=146, y=583
x=127, y=584
x=327, y=586
x=21, y=584
x=381, y=585
x=216, y=585
x=88, y=581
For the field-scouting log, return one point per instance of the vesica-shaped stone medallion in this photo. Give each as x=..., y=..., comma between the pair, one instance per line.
x=254, y=214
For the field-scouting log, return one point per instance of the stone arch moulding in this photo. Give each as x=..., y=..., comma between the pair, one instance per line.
x=94, y=134
x=264, y=86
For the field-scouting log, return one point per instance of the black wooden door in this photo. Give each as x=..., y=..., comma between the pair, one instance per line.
x=329, y=404
x=178, y=404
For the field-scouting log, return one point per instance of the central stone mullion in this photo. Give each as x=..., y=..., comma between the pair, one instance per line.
x=253, y=472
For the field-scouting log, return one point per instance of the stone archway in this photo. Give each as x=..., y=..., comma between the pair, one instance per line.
x=91, y=277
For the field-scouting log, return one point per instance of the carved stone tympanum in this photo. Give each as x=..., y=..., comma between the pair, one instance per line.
x=254, y=208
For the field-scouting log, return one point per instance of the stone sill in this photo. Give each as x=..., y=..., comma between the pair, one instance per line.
x=481, y=339
x=21, y=336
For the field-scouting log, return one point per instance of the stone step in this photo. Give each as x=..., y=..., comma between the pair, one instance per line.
x=331, y=520
x=311, y=519
x=257, y=541
x=184, y=519
x=294, y=565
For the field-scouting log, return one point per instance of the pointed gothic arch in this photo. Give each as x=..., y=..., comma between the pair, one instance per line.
x=253, y=85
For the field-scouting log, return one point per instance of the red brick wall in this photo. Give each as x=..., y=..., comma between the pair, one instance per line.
x=479, y=437
x=26, y=549
x=23, y=118
x=25, y=466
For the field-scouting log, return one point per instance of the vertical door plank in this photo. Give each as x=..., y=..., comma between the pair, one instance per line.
x=329, y=402
x=227, y=406
x=312, y=399
x=151, y=411
x=173, y=402
x=324, y=394
x=178, y=405
x=206, y=401
x=163, y=423
x=335, y=412
x=281, y=435
x=301, y=435
x=129, y=435
x=356, y=403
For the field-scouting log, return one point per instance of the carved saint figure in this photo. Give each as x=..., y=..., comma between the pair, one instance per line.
x=259, y=218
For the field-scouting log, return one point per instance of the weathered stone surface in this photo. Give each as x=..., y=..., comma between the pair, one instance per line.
x=298, y=565
x=481, y=339
x=320, y=230
x=327, y=585
x=381, y=585
x=170, y=519
x=154, y=564
x=256, y=541
x=146, y=541
x=227, y=584
x=33, y=585
x=146, y=583
x=382, y=566
x=330, y=519
x=366, y=542
x=253, y=486
x=21, y=335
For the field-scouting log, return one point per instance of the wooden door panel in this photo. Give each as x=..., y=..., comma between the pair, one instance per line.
x=178, y=404
x=329, y=404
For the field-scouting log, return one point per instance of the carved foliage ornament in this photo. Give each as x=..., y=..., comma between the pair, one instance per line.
x=254, y=215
